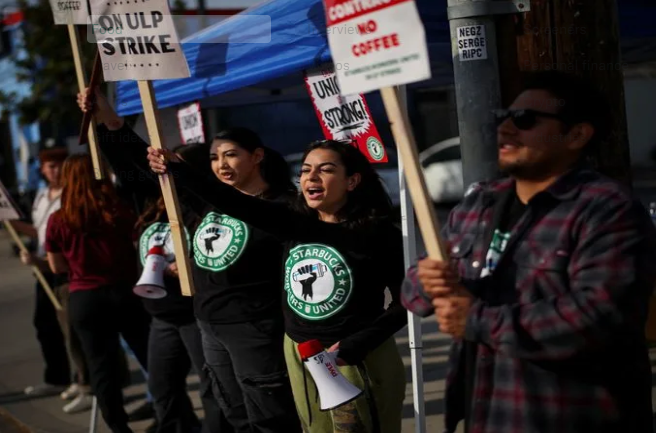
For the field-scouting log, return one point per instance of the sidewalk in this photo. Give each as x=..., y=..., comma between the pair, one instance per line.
x=21, y=366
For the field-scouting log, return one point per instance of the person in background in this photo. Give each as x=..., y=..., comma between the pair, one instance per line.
x=551, y=275
x=91, y=238
x=57, y=375
x=342, y=251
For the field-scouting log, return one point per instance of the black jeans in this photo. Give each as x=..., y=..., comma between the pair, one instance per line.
x=51, y=339
x=246, y=363
x=98, y=316
x=172, y=350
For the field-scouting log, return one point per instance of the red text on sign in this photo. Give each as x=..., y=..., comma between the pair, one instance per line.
x=368, y=27
x=377, y=44
x=331, y=369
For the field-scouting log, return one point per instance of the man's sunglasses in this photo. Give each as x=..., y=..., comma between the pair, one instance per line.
x=523, y=119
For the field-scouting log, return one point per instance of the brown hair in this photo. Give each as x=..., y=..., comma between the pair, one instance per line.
x=86, y=203
x=152, y=213
x=55, y=154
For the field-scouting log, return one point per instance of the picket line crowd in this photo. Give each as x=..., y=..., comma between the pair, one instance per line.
x=545, y=293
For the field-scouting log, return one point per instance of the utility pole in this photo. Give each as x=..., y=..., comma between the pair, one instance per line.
x=576, y=36
x=477, y=83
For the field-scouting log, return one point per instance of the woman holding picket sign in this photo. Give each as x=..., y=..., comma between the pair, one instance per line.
x=174, y=343
x=342, y=252
x=237, y=302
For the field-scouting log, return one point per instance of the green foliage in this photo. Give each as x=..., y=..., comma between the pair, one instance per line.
x=48, y=68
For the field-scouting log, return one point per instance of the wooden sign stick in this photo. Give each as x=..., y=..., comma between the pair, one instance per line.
x=416, y=183
x=82, y=84
x=168, y=189
x=96, y=77
x=35, y=269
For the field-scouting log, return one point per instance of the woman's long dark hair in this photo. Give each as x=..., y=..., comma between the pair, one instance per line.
x=368, y=201
x=196, y=155
x=273, y=168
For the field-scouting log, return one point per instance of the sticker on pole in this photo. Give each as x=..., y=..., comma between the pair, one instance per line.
x=376, y=43
x=70, y=12
x=472, y=44
x=8, y=210
x=137, y=40
x=190, y=122
x=344, y=117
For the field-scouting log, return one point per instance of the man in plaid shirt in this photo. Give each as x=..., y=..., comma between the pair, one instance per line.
x=551, y=272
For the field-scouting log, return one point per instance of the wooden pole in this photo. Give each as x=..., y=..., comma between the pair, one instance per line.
x=82, y=84
x=35, y=269
x=168, y=189
x=577, y=37
x=415, y=181
x=96, y=76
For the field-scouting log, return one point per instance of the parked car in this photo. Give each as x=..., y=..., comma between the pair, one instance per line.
x=442, y=166
x=388, y=172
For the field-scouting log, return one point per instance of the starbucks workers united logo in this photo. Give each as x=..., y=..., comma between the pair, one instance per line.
x=219, y=241
x=158, y=234
x=375, y=148
x=317, y=280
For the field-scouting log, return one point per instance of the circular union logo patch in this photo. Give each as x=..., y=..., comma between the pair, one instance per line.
x=318, y=281
x=219, y=241
x=158, y=234
x=375, y=148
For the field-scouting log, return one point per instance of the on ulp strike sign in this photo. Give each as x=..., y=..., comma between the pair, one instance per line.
x=382, y=41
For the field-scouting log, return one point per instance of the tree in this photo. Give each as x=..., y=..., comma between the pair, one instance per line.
x=45, y=62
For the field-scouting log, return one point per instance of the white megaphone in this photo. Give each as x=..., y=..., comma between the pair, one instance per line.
x=151, y=283
x=334, y=389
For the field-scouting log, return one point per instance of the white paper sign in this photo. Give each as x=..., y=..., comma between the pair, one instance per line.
x=376, y=43
x=8, y=211
x=190, y=121
x=472, y=44
x=69, y=11
x=137, y=40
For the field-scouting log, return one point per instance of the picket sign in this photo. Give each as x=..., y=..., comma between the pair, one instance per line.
x=138, y=41
x=82, y=84
x=343, y=117
x=9, y=211
x=190, y=123
x=386, y=48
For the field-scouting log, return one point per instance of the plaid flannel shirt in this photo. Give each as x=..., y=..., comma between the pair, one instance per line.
x=568, y=353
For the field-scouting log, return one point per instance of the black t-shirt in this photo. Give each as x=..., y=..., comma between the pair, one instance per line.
x=236, y=267
x=334, y=280
x=505, y=220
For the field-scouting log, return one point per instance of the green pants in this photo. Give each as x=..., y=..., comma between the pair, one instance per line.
x=386, y=374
